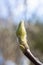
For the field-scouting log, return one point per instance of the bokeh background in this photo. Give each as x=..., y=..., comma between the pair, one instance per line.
x=11, y=13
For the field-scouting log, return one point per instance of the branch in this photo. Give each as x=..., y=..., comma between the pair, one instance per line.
x=21, y=34
x=31, y=57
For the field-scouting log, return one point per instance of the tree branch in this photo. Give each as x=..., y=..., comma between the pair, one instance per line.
x=21, y=34
x=32, y=58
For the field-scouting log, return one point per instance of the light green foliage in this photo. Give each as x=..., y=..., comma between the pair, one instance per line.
x=21, y=32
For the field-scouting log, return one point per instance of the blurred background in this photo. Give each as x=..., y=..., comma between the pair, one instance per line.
x=11, y=13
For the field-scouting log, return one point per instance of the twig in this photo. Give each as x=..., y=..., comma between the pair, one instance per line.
x=21, y=34
x=32, y=58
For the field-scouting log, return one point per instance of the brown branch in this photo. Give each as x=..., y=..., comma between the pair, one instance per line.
x=21, y=34
x=30, y=56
